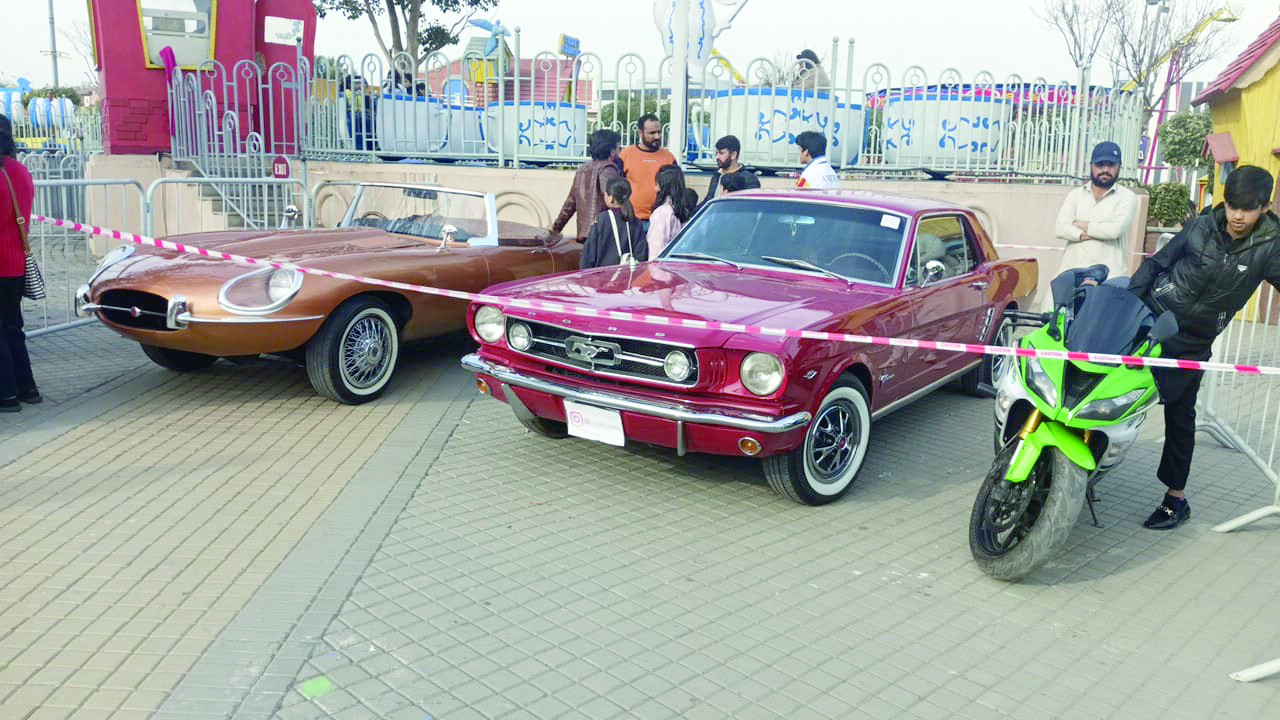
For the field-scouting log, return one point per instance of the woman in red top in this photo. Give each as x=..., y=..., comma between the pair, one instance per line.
x=16, y=381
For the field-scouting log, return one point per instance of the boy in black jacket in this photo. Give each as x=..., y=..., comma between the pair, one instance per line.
x=1205, y=275
x=616, y=231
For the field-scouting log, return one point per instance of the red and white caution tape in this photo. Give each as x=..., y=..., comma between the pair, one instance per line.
x=1100, y=358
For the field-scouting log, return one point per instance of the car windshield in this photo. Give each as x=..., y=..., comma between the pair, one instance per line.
x=856, y=243
x=419, y=212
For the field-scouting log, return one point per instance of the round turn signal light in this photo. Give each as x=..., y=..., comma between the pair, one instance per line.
x=749, y=446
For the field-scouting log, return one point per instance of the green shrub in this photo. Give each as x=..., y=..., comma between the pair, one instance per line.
x=52, y=92
x=1169, y=204
x=1183, y=139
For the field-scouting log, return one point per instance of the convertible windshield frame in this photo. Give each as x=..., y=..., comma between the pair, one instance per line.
x=904, y=222
x=489, y=238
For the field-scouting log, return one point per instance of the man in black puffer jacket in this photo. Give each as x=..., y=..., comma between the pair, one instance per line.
x=1205, y=275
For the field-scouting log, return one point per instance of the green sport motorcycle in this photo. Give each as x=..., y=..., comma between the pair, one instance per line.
x=1060, y=425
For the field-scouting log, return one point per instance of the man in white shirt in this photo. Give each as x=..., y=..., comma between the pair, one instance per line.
x=1095, y=218
x=817, y=173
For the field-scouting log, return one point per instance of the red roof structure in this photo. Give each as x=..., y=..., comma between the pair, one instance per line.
x=1241, y=65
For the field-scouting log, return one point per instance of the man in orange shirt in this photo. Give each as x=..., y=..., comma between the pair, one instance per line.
x=641, y=162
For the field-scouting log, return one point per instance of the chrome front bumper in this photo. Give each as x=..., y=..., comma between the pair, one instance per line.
x=740, y=421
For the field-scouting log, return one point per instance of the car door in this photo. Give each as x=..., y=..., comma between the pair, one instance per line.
x=949, y=307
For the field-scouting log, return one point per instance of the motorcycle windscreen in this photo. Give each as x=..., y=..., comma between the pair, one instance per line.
x=1109, y=320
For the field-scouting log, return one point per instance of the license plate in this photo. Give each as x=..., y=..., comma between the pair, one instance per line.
x=593, y=423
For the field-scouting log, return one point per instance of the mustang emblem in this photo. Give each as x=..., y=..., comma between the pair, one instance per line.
x=594, y=352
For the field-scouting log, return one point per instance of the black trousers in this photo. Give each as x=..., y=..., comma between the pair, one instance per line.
x=15, y=364
x=1178, y=391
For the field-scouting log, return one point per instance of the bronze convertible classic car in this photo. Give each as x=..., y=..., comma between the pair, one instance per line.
x=187, y=311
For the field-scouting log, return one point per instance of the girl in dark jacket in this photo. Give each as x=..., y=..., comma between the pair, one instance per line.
x=616, y=232
x=16, y=382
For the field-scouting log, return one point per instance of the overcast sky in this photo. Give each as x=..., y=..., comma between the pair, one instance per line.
x=1002, y=36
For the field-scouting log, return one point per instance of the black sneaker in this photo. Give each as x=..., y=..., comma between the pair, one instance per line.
x=30, y=396
x=1168, y=518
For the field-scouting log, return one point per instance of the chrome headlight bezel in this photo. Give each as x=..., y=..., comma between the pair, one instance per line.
x=519, y=336
x=282, y=286
x=761, y=373
x=489, y=323
x=1039, y=382
x=677, y=366
x=113, y=256
x=1112, y=408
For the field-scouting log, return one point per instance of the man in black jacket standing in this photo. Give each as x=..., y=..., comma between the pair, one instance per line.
x=728, y=149
x=1205, y=275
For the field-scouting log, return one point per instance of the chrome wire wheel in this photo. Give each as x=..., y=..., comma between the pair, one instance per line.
x=353, y=356
x=366, y=351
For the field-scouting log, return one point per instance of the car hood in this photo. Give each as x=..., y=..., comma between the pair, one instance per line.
x=296, y=246
x=697, y=292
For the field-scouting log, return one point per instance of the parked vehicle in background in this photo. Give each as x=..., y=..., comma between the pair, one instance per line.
x=847, y=262
x=187, y=310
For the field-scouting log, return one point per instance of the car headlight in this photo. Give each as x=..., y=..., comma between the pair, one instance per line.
x=1039, y=382
x=677, y=365
x=1112, y=408
x=761, y=373
x=519, y=336
x=260, y=292
x=111, y=258
x=489, y=323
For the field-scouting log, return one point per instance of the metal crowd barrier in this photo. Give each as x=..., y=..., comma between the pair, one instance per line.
x=67, y=258
x=1243, y=411
x=224, y=204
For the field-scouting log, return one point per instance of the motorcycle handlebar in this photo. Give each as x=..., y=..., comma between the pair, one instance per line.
x=1040, y=318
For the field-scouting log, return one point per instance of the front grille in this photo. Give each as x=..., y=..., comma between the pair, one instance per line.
x=135, y=309
x=605, y=355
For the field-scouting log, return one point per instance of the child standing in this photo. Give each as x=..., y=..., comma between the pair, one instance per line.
x=616, y=234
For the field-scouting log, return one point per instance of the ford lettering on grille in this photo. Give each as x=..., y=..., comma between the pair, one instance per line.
x=596, y=352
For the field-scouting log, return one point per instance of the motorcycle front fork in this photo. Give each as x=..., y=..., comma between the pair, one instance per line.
x=1033, y=422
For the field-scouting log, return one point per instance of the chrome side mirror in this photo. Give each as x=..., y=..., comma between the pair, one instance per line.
x=447, y=235
x=290, y=216
x=933, y=271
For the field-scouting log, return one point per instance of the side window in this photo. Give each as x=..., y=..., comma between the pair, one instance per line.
x=945, y=239
x=971, y=242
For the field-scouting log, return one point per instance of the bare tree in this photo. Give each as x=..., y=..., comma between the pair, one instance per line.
x=1147, y=34
x=81, y=39
x=1082, y=23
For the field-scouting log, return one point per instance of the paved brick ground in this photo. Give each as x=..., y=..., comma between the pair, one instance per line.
x=226, y=544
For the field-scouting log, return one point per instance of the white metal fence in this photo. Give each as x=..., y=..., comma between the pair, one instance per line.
x=508, y=108
x=1243, y=411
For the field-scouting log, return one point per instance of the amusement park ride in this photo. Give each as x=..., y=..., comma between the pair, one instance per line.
x=130, y=35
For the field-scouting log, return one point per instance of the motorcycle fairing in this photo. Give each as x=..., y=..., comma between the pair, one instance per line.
x=1048, y=434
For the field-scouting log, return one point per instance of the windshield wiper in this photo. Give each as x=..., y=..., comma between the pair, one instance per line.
x=704, y=256
x=803, y=265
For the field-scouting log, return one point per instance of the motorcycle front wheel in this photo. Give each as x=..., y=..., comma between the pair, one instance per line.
x=1016, y=527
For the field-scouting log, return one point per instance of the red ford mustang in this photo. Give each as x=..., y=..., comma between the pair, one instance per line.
x=835, y=261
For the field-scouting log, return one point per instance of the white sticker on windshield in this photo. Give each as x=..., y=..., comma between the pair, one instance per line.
x=893, y=222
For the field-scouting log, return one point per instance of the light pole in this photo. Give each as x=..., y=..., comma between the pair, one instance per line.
x=680, y=81
x=53, y=45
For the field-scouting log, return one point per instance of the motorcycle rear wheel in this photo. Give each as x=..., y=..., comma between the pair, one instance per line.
x=1016, y=527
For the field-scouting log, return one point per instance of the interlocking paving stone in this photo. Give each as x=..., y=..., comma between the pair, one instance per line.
x=540, y=579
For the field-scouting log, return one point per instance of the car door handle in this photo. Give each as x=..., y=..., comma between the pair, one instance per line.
x=537, y=251
x=980, y=284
